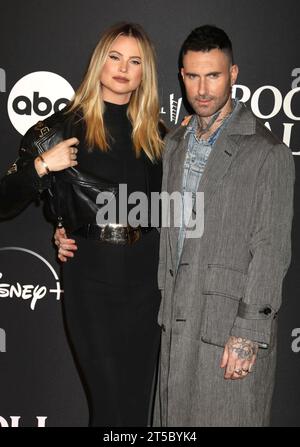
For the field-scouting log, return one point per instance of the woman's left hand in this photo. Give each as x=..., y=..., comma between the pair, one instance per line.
x=65, y=245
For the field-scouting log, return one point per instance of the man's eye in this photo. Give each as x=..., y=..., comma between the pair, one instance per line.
x=190, y=76
x=214, y=75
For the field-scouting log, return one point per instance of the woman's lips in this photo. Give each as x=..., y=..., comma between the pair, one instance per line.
x=120, y=79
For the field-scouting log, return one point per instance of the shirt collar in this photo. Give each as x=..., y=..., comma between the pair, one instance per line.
x=191, y=128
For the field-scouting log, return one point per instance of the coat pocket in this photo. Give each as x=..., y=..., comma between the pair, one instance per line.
x=223, y=289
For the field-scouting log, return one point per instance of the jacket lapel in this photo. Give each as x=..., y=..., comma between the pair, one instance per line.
x=176, y=169
x=219, y=161
x=225, y=151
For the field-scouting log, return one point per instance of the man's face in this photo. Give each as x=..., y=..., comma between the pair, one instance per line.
x=208, y=77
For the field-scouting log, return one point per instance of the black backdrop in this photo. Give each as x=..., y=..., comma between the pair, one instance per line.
x=39, y=383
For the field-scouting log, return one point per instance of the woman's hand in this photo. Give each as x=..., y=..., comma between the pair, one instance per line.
x=65, y=246
x=186, y=120
x=59, y=157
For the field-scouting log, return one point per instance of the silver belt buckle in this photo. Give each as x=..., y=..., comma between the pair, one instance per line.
x=113, y=234
x=119, y=234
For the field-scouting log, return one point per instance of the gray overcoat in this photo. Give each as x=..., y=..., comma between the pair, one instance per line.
x=229, y=281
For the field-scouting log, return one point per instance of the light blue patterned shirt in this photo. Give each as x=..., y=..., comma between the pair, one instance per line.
x=196, y=158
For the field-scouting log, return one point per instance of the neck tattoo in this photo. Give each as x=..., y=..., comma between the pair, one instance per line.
x=213, y=124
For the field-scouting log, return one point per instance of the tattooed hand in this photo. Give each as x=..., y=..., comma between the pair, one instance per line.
x=238, y=357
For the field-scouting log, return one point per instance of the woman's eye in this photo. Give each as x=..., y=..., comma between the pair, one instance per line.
x=136, y=62
x=114, y=57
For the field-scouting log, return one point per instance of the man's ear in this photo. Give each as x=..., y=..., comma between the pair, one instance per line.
x=234, y=71
x=182, y=72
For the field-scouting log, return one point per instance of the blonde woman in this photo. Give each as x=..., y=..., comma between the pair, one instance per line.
x=112, y=136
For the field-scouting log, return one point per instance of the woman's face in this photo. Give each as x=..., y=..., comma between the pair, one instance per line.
x=122, y=72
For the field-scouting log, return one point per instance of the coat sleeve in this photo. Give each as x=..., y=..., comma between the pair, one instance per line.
x=269, y=245
x=21, y=184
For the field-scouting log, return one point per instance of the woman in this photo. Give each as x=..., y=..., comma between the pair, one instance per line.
x=111, y=299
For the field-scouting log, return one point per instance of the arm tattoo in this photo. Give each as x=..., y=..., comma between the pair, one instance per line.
x=245, y=349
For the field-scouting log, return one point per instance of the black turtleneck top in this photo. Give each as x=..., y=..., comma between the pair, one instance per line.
x=119, y=164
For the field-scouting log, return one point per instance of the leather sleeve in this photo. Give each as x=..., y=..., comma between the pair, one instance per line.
x=21, y=184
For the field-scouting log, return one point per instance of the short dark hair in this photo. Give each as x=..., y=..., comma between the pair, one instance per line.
x=206, y=38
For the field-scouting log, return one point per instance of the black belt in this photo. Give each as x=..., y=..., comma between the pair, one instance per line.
x=112, y=233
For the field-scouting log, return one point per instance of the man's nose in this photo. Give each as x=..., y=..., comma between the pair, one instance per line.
x=202, y=88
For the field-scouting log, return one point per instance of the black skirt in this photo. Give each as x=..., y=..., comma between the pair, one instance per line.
x=111, y=301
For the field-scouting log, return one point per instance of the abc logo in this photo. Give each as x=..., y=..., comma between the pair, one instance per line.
x=36, y=96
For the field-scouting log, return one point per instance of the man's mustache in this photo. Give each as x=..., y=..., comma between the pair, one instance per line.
x=203, y=97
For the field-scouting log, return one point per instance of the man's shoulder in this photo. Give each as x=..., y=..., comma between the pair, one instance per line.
x=265, y=134
x=269, y=143
x=255, y=130
x=175, y=134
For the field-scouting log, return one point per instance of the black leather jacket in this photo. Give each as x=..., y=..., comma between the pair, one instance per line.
x=69, y=195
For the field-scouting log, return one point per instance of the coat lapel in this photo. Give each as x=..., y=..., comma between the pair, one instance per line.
x=176, y=168
x=219, y=161
x=224, y=152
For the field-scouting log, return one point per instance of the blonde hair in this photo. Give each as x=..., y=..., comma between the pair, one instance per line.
x=143, y=108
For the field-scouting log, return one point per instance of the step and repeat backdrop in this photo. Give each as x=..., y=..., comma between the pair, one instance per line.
x=44, y=50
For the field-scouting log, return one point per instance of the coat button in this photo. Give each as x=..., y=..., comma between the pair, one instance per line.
x=267, y=311
x=171, y=272
x=163, y=327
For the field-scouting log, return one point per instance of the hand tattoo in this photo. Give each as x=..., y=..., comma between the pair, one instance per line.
x=244, y=349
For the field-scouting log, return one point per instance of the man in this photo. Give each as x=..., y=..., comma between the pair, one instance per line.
x=221, y=292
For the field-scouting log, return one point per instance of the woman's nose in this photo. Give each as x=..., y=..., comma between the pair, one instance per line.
x=123, y=67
